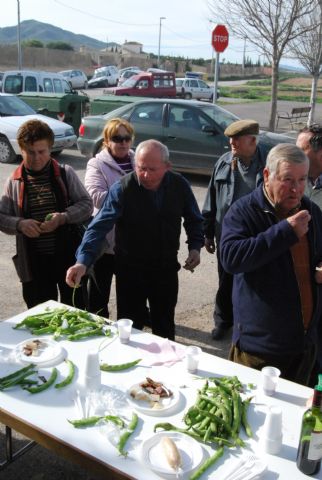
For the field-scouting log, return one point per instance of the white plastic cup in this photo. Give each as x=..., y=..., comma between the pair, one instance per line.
x=272, y=431
x=92, y=371
x=192, y=358
x=269, y=379
x=124, y=326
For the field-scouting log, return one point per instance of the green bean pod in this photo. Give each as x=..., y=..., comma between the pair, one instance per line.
x=207, y=464
x=40, y=388
x=105, y=367
x=124, y=437
x=70, y=376
x=244, y=421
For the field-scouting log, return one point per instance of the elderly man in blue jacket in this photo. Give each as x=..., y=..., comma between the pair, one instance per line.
x=272, y=242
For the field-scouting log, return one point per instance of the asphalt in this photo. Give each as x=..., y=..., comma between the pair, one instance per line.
x=259, y=111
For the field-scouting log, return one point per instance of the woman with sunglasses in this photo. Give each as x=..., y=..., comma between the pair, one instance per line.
x=114, y=160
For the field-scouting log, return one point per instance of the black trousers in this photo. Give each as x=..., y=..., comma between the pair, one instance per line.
x=223, y=312
x=99, y=285
x=49, y=273
x=135, y=286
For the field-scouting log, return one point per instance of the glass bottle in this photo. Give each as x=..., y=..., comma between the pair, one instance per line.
x=309, y=451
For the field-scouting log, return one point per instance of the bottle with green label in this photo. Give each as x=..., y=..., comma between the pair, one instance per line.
x=309, y=452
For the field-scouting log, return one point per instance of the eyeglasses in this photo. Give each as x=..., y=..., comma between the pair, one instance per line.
x=120, y=138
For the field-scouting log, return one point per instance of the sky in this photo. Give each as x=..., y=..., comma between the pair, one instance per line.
x=185, y=30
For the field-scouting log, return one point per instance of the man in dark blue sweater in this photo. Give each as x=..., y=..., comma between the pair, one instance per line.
x=146, y=207
x=272, y=243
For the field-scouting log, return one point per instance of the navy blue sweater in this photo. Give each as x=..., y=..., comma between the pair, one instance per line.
x=255, y=247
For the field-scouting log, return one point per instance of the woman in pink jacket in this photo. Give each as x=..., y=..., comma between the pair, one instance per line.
x=109, y=165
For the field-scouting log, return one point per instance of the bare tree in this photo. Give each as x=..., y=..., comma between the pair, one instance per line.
x=268, y=24
x=308, y=50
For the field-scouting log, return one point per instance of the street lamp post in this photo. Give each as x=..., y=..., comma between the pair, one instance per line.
x=18, y=34
x=161, y=18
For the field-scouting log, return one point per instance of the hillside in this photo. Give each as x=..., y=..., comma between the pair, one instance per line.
x=32, y=29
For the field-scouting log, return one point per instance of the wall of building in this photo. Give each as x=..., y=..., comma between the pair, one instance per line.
x=56, y=60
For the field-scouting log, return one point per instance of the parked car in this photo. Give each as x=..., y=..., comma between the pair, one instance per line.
x=76, y=78
x=194, y=88
x=13, y=113
x=147, y=84
x=104, y=77
x=127, y=74
x=20, y=81
x=193, y=131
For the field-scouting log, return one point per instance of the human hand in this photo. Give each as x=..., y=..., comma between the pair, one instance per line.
x=57, y=219
x=30, y=227
x=318, y=273
x=210, y=245
x=192, y=261
x=74, y=274
x=300, y=222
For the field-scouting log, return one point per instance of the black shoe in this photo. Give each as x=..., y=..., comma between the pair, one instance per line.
x=219, y=332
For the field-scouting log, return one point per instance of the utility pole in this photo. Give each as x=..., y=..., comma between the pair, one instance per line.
x=18, y=34
x=161, y=18
x=244, y=57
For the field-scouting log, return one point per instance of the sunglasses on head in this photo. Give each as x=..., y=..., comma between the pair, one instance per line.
x=121, y=138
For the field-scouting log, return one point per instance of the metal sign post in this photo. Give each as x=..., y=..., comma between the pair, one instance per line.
x=219, y=42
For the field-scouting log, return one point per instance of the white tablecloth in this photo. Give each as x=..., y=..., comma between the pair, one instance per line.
x=50, y=409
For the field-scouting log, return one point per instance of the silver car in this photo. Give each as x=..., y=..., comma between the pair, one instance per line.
x=76, y=78
x=193, y=88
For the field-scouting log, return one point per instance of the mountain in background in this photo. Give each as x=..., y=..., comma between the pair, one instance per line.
x=31, y=29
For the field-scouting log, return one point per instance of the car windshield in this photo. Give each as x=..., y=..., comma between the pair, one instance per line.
x=179, y=82
x=219, y=115
x=12, y=106
x=130, y=82
x=66, y=74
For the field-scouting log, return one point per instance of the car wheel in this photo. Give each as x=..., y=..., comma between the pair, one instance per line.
x=106, y=84
x=7, y=154
x=188, y=96
x=212, y=98
x=86, y=85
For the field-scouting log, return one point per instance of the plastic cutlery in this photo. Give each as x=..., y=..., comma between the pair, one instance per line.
x=257, y=468
x=244, y=463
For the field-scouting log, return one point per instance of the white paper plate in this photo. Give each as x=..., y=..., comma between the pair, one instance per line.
x=48, y=352
x=165, y=404
x=152, y=454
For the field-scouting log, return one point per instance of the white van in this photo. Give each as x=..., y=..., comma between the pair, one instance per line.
x=20, y=81
x=104, y=77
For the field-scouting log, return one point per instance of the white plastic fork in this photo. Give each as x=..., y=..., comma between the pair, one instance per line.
x=257, y=468
x=242, y=464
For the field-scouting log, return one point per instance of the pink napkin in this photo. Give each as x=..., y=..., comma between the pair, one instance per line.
x=164, y=353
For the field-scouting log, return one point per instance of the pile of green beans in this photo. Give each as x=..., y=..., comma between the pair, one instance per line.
x=64, y=322
x=216, y=418
x=19, y=377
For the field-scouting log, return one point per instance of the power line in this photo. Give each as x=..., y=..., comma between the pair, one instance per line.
x=88, y=14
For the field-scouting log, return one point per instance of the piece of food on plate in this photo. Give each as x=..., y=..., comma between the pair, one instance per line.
x=32, y=347
x=171, y=453
x=156, y=388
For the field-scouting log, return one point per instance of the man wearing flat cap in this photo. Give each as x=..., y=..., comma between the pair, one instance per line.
x=236, y=174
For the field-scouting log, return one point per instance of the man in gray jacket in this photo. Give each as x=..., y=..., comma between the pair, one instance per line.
x=236, y=174
x=310, y=141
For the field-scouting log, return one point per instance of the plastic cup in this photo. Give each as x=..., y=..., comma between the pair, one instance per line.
x=92, y=371
x=124, y=326
x=272, y=431
x=192, y=358
x=269, y=379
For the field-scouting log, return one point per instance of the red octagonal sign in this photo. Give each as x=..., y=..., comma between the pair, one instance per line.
x=219, y=38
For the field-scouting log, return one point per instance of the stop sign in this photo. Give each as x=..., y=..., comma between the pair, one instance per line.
x=219, y=38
